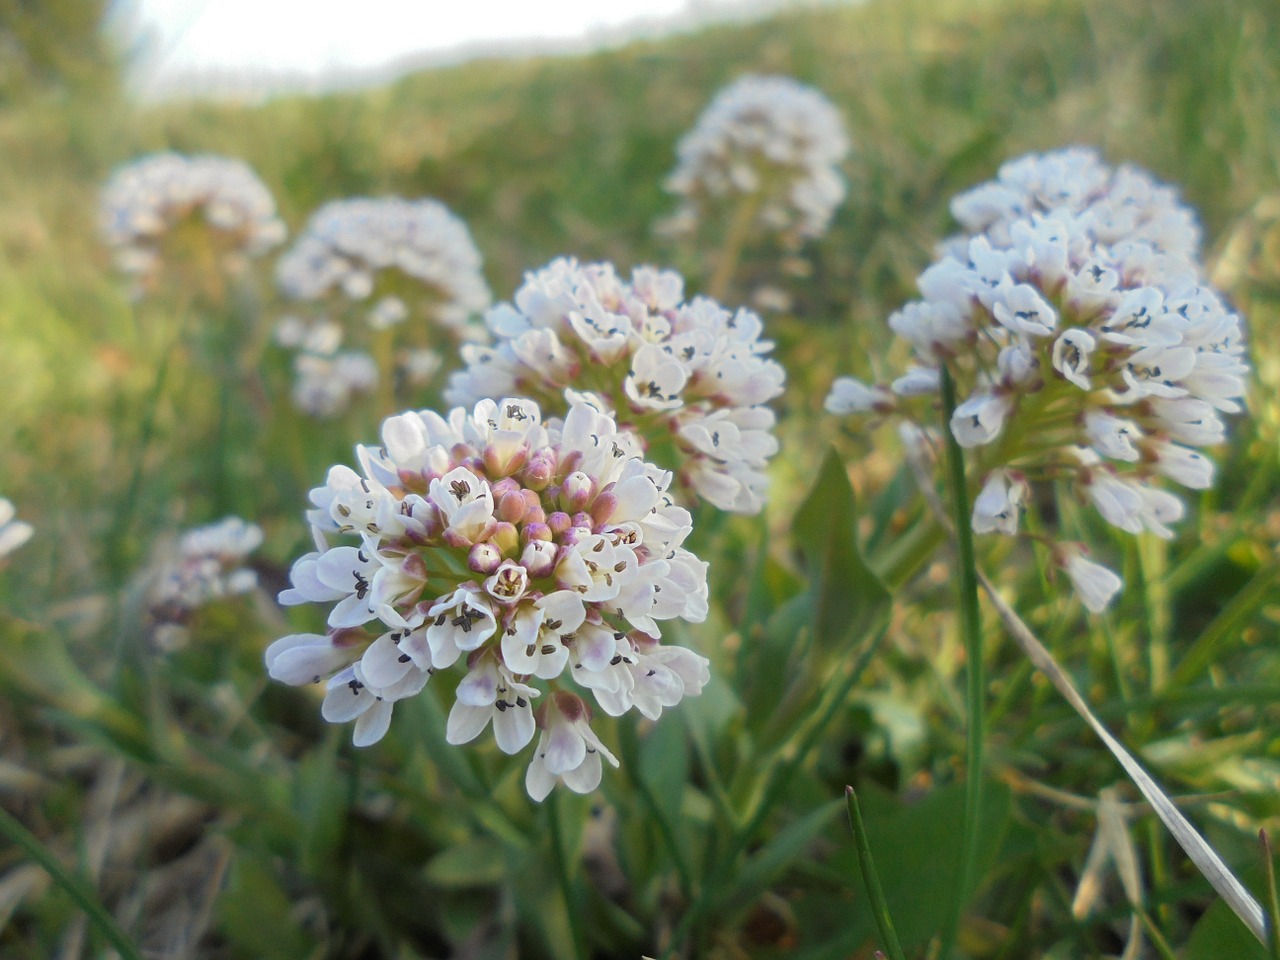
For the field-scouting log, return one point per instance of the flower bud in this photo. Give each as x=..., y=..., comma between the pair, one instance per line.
x=602, y=508
x=535, y=531
x=484, y=558
x=539, y=471
x=511, y=507
x=576, y=492
x=559, y=522
x=539, y=558
x=506, y=538
x=502, y=460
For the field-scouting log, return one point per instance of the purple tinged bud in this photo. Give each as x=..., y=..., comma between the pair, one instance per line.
x=535, y=531
x=583, y=520
x=603, y=507
x=559, y=522
x=511, y=507
x=484, y=558
x=539, y=558
x=455, y=538
x=539, y=471
x=569, y=462
x=577, y=491
x=506, y=538
x=504, y=486
x=499, y=465
x=475, y=465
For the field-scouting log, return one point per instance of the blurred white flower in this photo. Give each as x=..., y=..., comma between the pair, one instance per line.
x=148, y=199
x=207, y=566
x=13, y=533
x=771, y=138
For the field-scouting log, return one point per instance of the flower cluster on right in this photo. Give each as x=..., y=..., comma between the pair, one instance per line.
x=1086, y=347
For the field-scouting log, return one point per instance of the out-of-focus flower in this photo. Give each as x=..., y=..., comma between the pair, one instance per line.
x=691, y=377
x=206, y=567
x=13, y=532
x=1084, y=343
x=148, y=204
x=387, y=268
x=768, y=138
x=540, y=556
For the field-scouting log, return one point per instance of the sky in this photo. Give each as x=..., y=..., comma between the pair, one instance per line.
x=262, y=44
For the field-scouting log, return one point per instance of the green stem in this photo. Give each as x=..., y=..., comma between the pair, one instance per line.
x=735, y=240
x=628, y=742
x=559, y=852
x=1273, y=897
x=971, y=628
x=79, y=891
x=888, y=936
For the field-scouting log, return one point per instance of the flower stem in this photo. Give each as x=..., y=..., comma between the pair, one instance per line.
x=971, y=629
x=734, y=241
x=559, y=852
x=871, y=879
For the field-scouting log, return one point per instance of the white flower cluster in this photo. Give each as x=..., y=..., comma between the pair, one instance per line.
x=205, y=568
x=1091, y=351
x=772, y=138
x=363, y=246
x=693, y=376
x=326, y=378
x=149, y=198
x=13, y=533
x=527, y=550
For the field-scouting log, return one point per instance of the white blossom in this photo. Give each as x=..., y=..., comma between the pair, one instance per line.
x=851, y=395
x=647, y=352
x=1094, y=584
x=147, y=200
x=997, y=508
x=13, y=533
x=771, y=138
x=526, y=549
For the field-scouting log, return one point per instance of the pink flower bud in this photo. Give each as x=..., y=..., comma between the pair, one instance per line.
x=602, y=508
x=503, y=463
x=511, y=507
x=484, y=558
x=535, y=531
x=539, y=558
x=577, y=491
x=559, y=522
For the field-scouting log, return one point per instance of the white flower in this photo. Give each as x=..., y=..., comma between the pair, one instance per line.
x=490, y=692
x=568, y=750
x=1094, y=583
x=771, y=137
x=13, y=533
x=1071, y=353
x=703, y=366
x=525, y=547
x=1113, y=437
x=146, y=200
x=205, y=567
x=1187, y=467
x=916, y=382
x=980, y=419
x=850, y=395
x=998, y=507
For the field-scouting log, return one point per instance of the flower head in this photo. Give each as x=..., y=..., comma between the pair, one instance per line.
x=534, y=554
x=149, y=202
x=689, y=374
x=399, y=269
x=771, y=138
x=207, y=566
x=1074, y=317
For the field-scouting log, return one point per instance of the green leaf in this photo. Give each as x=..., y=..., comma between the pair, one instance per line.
x=255, y=914
x=917, y=847
x=1220, y=933
x=789, y=845
x=847, y=596
x=480, y=862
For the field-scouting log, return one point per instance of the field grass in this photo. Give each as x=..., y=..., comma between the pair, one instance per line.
x=215, y=817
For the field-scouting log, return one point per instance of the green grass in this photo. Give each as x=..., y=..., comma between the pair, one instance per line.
x=242, y=822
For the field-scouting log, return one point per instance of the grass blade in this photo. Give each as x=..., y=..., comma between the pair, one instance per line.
x=76, y=888
x=871, y=879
